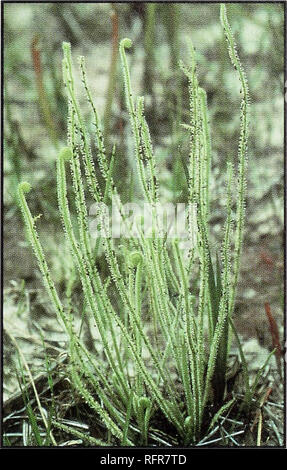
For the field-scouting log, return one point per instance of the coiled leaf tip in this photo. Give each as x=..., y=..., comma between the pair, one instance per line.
x=135, y=258
x=126, y=43
x=65, y=153
x=25, y=187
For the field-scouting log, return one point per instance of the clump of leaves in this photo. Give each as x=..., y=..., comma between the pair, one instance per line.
x=178, y=370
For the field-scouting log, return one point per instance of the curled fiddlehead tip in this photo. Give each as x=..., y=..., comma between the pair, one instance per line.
x=65, y=154
x=126, y=43
x=135, y=258
x=144, y=402
x=24, y=187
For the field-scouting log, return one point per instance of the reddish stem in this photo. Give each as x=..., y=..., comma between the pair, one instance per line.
x=275, y=335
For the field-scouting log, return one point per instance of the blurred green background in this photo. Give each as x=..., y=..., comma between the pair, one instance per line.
x=35, y=126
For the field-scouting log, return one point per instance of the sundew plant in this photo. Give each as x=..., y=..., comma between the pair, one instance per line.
x=164, y=310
